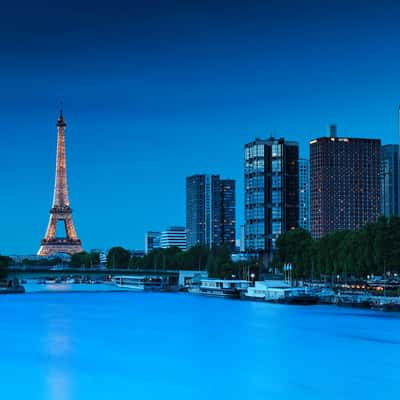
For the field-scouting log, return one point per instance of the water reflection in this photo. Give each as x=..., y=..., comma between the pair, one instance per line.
x=58, y=349
x=58, y=384
x=81, y=346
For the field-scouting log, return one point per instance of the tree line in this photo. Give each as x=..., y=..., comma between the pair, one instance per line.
x=216, y=260
x=4, y=264
x=373, y=249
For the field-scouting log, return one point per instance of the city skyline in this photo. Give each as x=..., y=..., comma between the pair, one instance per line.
x=152, y=106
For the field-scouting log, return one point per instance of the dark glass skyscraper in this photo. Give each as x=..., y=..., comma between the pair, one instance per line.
x=210, y=211
x=390, y=179
x=271, y=174
x=228, y=213
x=345, y=183
x=304, y=194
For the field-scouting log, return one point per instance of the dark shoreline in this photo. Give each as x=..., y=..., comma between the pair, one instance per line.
x=14, y=290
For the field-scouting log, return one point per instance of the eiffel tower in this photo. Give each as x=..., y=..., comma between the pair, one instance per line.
x=61, y=210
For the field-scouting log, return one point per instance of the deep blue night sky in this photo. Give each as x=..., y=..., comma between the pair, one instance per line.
x=157, y=90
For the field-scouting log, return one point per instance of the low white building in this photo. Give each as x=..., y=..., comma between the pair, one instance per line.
x=220, y=287
x=174, y=236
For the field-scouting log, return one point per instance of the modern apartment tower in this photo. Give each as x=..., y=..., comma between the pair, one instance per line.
x=390, y=180
x=228, y=214
x=304, y=194
x=344, y=183
x=271, y=175
x=210, y=211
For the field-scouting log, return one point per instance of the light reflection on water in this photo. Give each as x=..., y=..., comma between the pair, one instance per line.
x=58, y=385
x=58, y=348
x=72, y=346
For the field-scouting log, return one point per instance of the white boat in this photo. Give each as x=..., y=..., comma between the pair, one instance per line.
x=261, y=289
x=325, y=295
x=139, y=283
x=220, y=287
x=280, y=292
x=291, y=296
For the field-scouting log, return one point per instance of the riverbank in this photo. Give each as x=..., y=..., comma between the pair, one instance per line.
x=12, y=290
x=361, y=301
x=371, y=302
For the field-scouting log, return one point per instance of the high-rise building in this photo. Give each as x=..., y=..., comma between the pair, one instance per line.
x=228, y=214
x=151, y=241
x=210, y=211
x=242, y=241
x=390, y=180
x=344, y=183
x=271, y=176
x=304, y=194
x=174, y=236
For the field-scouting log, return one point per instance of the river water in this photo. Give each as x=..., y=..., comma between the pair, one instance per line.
x=72, y=346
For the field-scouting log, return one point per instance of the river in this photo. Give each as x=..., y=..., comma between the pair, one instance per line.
x=72, y=346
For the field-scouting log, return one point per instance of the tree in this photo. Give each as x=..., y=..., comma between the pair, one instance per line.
x=196, y=257
x=382, y=244
x=136, y=262
x=394, y=237
x=225, y=267
x=4, y=264
x=294, y=247
x=211, y=265
x=118, y=257
x=85, y=259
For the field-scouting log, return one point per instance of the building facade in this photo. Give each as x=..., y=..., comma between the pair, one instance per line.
x=271, y=174
x=228, y=214
x=390, y=180
x=151, y=241
x=344, y=183
x=174, y=236
x=304, y=194
x=210, y=211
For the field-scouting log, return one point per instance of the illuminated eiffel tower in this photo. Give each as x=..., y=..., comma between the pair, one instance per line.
x=61, y=210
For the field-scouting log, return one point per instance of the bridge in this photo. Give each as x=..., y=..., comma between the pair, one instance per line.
x=95, y=273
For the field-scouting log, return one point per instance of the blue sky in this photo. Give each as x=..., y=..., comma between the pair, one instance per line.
x=154, y=91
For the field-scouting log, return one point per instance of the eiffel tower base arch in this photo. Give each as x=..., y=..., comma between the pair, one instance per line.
x=51, y=247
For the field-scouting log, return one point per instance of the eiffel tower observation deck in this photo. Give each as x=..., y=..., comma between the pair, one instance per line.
x=60, y=211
